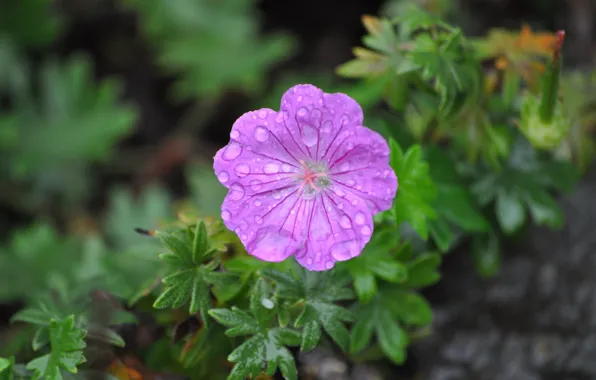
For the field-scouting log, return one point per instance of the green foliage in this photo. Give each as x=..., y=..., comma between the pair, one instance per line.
x=202, y=41
x=67, y=344
x=29, y=22
x=265, y=350
x=474, y=156
x=416, y=190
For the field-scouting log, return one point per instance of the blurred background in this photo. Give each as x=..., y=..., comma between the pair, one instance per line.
x=111, y=112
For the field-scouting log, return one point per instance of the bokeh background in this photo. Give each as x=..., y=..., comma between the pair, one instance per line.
x=112, y=109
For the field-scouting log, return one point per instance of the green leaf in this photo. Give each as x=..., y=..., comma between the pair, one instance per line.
x=239, y=322
x=66, y=353
x=362, y=332
x=364, y=284
x=30, y=22
x=416, y=190
x=318, y=292
x=261, y=305
x=510, y=212
x=72, y=105
x=486, y=254
x=524, y=184
x=311, y=334
x=200, y=244
x=7, y=368
x=392, y=338
x=423, y=270
x=413, y=309
x=33, y=316
x=106, y=335
x=200, y=41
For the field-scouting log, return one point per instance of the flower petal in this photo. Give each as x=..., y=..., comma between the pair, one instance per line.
x=314, y=120
x=335, y=227
x=360, y=165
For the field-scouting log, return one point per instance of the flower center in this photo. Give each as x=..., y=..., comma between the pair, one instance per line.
x=313, y=179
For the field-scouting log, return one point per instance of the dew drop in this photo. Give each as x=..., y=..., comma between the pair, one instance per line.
x=328, y=264
x=261, y=133
x=226, y=215
x=345, y=250
x=234, y=134
x=344, y=167
x=277, y=195
x=309, y=136
x=326, y=127
x=286, y=168
x=242, y=170
x=232, y=151
x=223, y=176
x=299, y=98
x=345, y=119
x=255, y=184
x=267, y=303
x=257, y=202
x=258, y=219
x=302, y=111
x=309, y=261
x=359, y=218
x=345, y=222
x=236, y=192
x=350, y=145
x=350, y=182
x=365, y=230
x=271, y=168
x=339, y=192
x=354, y=202
x=262, y=114
x=316, y=114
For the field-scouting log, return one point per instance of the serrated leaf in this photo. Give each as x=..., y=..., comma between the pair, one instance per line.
x=510, y=212
x=392, y=338
x=200, y=244
x=311, y=334
x=239, y=322
x=67, y=346
x=33, y=316
x=361, y=333
x=416, y=190
x=413, y=309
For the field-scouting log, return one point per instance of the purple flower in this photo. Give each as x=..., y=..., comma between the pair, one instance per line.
x=305, y=181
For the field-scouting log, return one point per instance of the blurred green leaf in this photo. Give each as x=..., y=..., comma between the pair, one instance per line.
x=7, y=368
x=376, y=261
x=206, y=191
x=524, y=184
x=67, y=346
x=203, y=41
x=30, y=22
x=422, y=271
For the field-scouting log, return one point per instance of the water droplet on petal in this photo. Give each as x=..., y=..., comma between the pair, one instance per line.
x=299, y=98
x=309, y=261
x=276, y=195
x=302, y=111
x=345, y=119
x=236, y=192
x=226, y=215
x=242, y=170
x=309, y=136
x=271, y=168
x=223, y=176
x=257, y=202
x=344, y=167
x=232, y=151
x=327, y=126
x=359, y=218
x=261, y=133
x=328, y=264
x=350, y=182
x=339, y=191
x=365, y=230
x=316, y=114
x=345, y=250
x=286, y=168
x=262, y=114
x=345, y=222
x=258, y=219
x=354, y=202
x=350, y=145
x=234, y=134
x=255, y=184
